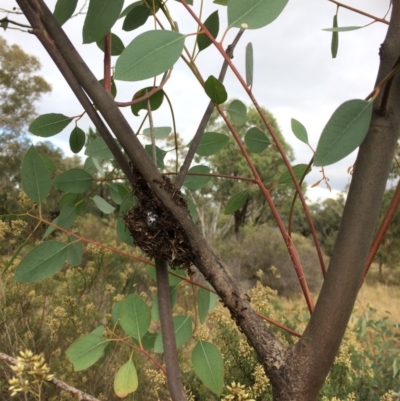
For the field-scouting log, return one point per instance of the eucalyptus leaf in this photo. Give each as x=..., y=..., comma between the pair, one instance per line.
x=236, y=202
x=215, y=90
x=212, y=24
x=209, y=366
x=75, y=199
x=256, y=140
x=136, y=18
x=103, y=205
x=126, y=379
x=64, y=10
x=67, y=216
x=237, y=112
x=203, y=304
x=41, y=262
x=113, y=86
x=100, y=17
x=253, y=14
x=77, y=140
x=149, y=54
x=335, y=38
x=51, y=167
x=135, y=316
x=343, y=28
x=182, y=329
x=48, y=125
x=194, y=182
x=211, y=143
x=99, y=149
x=75, y=181
x=344, y=132
x=117, y=46
x=159, y=132
x=160, y=155
x=155, y=100
x=299, y=130
x=298, y=170
x=129, y=8
x=249, y=64
x=75, y=251
x=35, y=177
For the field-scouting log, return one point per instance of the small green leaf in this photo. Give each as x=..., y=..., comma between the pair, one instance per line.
x=236, y=202
x=75, y=180
x=100, y=17
x=135, y=316
x=64, y=10
x=129, y=8
x=159, y=132
x=155, y=100
x=67, y=216
x=237, y=112
x=48, y=125
x=35, y=178
x=99, y=149
x=209, y=366
x=86, y=351
x=344, y=132
x=203, y=304
x=183, y=331
x=149, y=54
x=160, y=154
x=115, y=193
x=126, y=380
x=343, y=28
x=298, y=169
x=335, y=39
x=211, y=143
x=75, y=199
x=50, y=229
x=75, y=251
x=299, y=130
x=89, y=166
x=113, y=86
x=103, y=205
x=253, y=13
x=51, y=167
x=136, y=18
x=41, y=262
x=123, y=232
x=77, y=140
x=212, y=24
x=194, y=182
x=256, y=140
x=249, y=64
x=117, y=45
x=215, y=90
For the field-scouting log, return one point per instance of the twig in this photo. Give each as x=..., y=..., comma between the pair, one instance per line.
x=80, y=395
x=384, y=21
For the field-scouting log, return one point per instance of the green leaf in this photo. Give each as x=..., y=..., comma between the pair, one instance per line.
x=41, y=262
x=221, y=2
x=75, y=199
x=115, y=192
x=256, y=140
x=75, y=251
x=35, y=178
x=155, y=100
x=237, y=112
x=67, y=216
x=211, y=143
x=89, y=166
x=299, y=130
x=103, y=205
x=50, y=229
x=159, y=132
x=123, y=232
x=113, y=86
x=236, y=202
x=48, y=125
x=64, y=10
x=51, y=167
x=298, y=169
x=135, y=316
x=99, y=149
x=253, y=13
x=160, y=154
x=249, y=64
x=215, y=90
x=129, y=8
x=136, y=18
x=212, y=24
x=208, y=366
x=117, y=45
x=183, y=331
x=100, y=18
x=98, y=331
x=203, y=304
x=344, y=132
x=75, y=180
x=194, y=182
x=343, y=28
x=149, y=54
x=86, y=351
x=77, y=140
x=126, y=380
x=96, y=163
x=335, y=39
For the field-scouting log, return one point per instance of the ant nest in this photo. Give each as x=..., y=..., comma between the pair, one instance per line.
x=154, y=229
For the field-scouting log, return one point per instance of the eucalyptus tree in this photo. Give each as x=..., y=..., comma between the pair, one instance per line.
x=157, y=215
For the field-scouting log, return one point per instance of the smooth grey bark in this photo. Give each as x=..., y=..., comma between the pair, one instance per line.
x=299, y=372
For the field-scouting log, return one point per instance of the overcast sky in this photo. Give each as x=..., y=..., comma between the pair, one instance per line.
x=294, y=74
